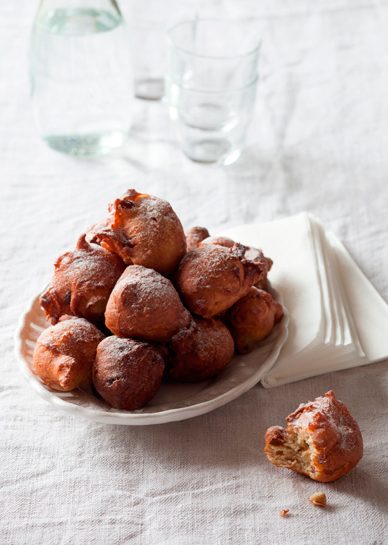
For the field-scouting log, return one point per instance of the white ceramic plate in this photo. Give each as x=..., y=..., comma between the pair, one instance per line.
x=173, y=401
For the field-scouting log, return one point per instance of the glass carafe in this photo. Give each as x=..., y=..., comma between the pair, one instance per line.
x=81, y=75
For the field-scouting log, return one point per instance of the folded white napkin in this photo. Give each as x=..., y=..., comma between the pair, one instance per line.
x=337, y=318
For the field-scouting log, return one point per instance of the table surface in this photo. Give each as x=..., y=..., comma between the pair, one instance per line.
x=318, y=141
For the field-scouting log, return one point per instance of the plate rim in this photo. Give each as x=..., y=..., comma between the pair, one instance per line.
x=132, y=418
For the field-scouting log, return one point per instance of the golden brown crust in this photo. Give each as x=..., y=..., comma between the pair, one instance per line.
x=212, y=278
x=127, y=373
x=200, y=351
x=252, y=319
x=64, y=354
x=82, y=282
x=250, y=253
x=145, y=305
x=144, y=230
x=322, y=440
x=194, y=237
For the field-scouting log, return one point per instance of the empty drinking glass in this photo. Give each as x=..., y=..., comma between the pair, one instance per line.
x=81, y=75
x=211, y=86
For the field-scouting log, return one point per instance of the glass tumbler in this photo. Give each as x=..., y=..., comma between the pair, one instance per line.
x=81, y=75
x=148, y=23
x=211, y=84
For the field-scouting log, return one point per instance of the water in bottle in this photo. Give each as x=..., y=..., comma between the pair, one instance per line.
x=81, y=76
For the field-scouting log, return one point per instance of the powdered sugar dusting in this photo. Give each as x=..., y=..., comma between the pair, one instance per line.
x=327, y=411
x=145, y=230
x=210, y=262
x=70, y=333
x=150, y=209
x=90, y=263
x=146, y=287
x=119, y=352
x=207, y=336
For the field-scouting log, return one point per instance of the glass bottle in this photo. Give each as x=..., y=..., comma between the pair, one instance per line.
x=81, y=75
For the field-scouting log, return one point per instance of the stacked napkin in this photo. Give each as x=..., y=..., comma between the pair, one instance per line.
x=337, y=318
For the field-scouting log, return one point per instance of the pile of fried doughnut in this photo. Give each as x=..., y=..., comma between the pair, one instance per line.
x=138, y=302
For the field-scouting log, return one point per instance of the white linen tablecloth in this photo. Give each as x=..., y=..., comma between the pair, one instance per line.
x=318, y=142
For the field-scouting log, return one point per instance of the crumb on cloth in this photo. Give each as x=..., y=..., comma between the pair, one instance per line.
x=318, y=498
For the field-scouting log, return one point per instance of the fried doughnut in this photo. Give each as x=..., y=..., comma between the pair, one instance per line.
x=212, y=278
x=145, y=305
x=82, y=282
x=322, y=440
x=252, y=319
x=219, y=241
x=64, y=353
x=251, y=253
x=200, y=351
x=143, y=230
x=127, y=373
x=195, y=236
